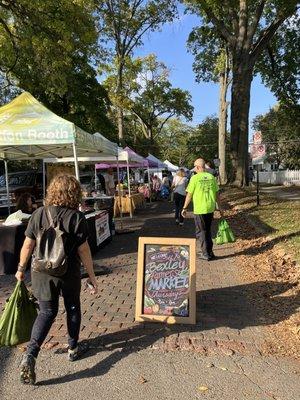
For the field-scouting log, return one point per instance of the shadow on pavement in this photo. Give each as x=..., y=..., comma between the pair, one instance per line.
x=233, y=306
x=5, y=354
x=222, y=307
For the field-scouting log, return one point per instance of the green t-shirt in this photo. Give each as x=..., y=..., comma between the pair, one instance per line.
x=203, y=187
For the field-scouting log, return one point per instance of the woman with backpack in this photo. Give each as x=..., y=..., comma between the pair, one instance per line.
x=56, y=237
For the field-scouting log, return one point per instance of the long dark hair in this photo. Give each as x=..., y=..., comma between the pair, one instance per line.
x=22, y=202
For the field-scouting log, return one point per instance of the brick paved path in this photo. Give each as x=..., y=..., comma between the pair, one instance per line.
x=226, y=323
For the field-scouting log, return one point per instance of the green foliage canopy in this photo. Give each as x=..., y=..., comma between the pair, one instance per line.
x=280, y=129
x=47, y=48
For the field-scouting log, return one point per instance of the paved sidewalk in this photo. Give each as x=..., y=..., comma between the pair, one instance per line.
x=282, y=192
x=226, y=323
x=219, y=358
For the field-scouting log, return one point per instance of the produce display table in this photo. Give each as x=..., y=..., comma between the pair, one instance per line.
x=129, y=203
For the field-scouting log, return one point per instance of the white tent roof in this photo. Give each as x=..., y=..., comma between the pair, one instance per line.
x=123, y=156
x=28, y=130
x=158, y=162
x=171, y=167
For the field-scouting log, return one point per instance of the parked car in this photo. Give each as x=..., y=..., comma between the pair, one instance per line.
x=21, y=182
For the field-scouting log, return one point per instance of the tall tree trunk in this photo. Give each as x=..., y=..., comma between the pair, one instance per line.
x=223, y=81
x=150, y=133
x=120, y=114
x=240, y=103
x=120, y=119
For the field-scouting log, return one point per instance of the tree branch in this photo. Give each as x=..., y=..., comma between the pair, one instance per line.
x=243, y=22
x=163, y=123
x=12, y=38
x=116, y=32
x=255, y=22
x=134, y=8
x=134, y=39
x=265, y=37
x=218, y=24
x=142, y=122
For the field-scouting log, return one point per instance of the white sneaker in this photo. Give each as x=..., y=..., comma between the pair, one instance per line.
x=177, y=221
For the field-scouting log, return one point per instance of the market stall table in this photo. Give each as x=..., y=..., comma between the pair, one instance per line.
x=99, y=229
x=12, y=238
x=128, y=203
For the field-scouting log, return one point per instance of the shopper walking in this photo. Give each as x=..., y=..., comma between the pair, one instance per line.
x=61, y=229
x=203, y=191
x=179, y=186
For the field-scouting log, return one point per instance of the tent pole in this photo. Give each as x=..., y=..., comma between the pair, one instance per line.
x=96, y=179
x=119, y=193
x=129, y=189
x=44, y=179
x=149, y=183
x=7, y=186
x=76, y=163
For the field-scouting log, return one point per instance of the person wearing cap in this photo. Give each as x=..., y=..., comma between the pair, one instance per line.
x=203, y=191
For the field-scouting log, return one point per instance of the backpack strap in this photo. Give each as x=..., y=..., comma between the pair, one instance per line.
x=49, y=217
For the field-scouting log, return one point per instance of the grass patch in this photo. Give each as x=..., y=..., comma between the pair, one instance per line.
x=278, y=218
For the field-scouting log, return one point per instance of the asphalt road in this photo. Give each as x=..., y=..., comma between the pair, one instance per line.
x=151, y=375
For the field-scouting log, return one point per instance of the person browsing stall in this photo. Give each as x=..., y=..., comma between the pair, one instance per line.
x=110, y=182
x=26, y=203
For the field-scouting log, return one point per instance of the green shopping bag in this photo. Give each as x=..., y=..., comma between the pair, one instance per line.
x=18, y=317
x=224, y=234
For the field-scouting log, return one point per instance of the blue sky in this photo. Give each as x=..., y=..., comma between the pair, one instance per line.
x=169, y=45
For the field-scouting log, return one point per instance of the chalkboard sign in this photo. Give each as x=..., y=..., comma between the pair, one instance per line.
x=166, y=281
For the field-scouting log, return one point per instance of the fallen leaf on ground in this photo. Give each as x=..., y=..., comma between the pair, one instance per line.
x=202, y=388
x=143, y=380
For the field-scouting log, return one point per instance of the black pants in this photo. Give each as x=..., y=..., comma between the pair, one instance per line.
x=46, y=316
x=203, y=232
x=179, y=202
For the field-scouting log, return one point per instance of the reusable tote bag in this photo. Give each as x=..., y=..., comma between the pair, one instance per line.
x=224, y=234
x=18, y=317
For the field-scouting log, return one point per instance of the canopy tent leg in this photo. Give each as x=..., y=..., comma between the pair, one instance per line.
x=96, y=179
x=7, y=185
x=44, y=179
x=129, y=189
x=149, y=183
x=119, y=193
x=76, y=162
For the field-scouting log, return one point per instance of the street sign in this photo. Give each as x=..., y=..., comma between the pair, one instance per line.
x=257, y=149
x=257, y=137
x=258, y=153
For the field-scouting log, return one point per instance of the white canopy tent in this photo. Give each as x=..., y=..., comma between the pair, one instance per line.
x=156, y=165
x=28, y=130
x=171, y=167
x=125, y=157
x=156, y=161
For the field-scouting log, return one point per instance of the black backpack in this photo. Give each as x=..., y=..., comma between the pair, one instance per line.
x=49, y=254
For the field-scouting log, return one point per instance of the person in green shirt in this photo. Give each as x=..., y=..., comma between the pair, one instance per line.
x=203, y=191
